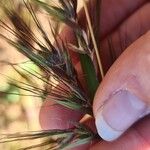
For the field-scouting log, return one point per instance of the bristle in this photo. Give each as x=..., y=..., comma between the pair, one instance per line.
x=56, y=139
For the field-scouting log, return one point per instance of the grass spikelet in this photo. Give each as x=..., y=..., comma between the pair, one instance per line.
x=53, y=60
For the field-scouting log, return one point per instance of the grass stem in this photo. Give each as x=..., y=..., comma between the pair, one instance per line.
x=93, y=38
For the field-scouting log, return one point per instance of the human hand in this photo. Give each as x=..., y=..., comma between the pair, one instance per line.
x=125, y=85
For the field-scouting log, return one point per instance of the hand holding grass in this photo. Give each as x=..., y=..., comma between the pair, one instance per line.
x=123, y=96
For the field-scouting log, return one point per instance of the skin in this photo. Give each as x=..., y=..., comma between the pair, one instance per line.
x=126, y=24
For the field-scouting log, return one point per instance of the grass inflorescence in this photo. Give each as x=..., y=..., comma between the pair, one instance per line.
x=54, y=61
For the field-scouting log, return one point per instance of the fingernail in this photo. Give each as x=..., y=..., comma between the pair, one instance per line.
x=118, y=114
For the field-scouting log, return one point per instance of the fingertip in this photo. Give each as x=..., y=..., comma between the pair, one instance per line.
x=136, y=138
x=55, y=116
x=105, y=131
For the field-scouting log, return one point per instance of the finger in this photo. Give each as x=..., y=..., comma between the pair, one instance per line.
x=113, y=13
x=109, y=19
x=137, y=138
x=130, y=30
x=55, y=116
x=123, y=96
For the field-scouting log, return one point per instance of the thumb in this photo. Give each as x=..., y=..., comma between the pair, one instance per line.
x=123, y=96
